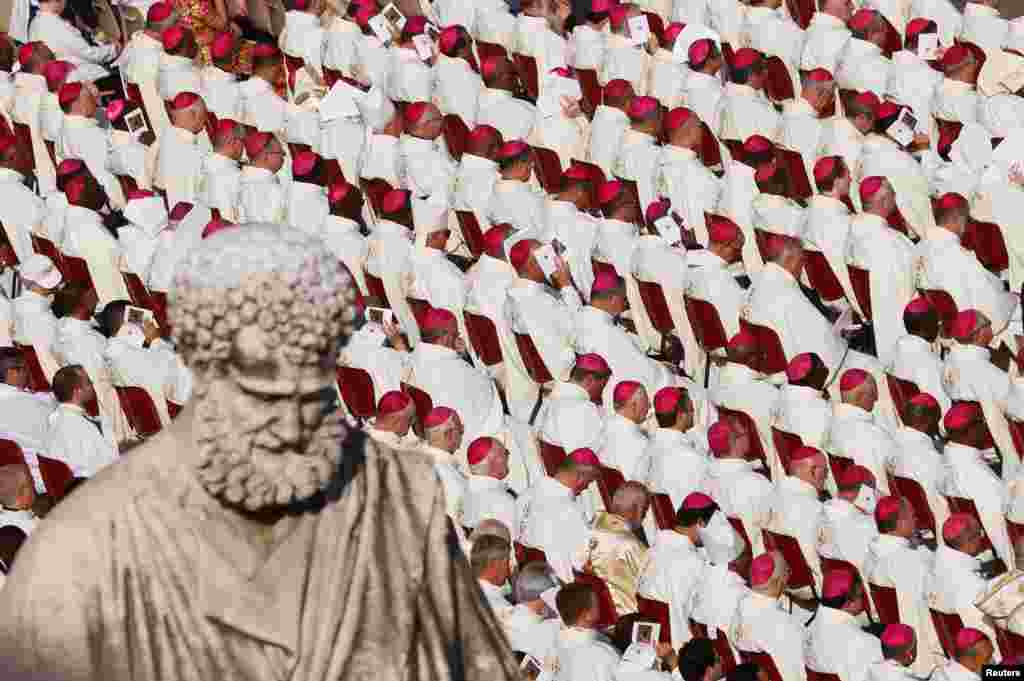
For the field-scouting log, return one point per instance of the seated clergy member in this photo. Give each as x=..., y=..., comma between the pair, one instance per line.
x=625, y=441
x=918, y=457
x=514, y=118
x=262, y=108
x=534, y=625
x=458, y=82
x=21, y=211
x=682, y=177
x=147, y=218
x=393, y=423
x=856, y=433
x=23, y=415
x=221, y=182
x=570, y=417
x=583, y=652
x=899, y=652
x=616, y=554
x=675, y=465
x=220, y=84
x=178, y=71
x=836, y=644
x=712, y=277
x=515, y=200
x=74, y=437
x=803, y=408
x=34, y=322
x=88, y=238
x=442, y=435
x=796, y=505
x=973, y=650
x=429, y=171
x=261, y=194
x=847, y=521
x=489, y=558
x=180, y=157
x=551, y=518
x=914, y=357
x=83, y=138
x=307, y=205
x=68, y=43
x=487, y=495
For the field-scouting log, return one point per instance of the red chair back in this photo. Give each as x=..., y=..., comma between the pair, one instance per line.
x=139, y=409
x=374, y=190
x=800, y=185
x=10, y=452
x=471, y=232
x=419, y=398
x=664, y=511
x=44, y=246
x=549, y=169
x=1011, y=645
x=56, y=476
x=455, y=135
x=1016, y=433
x=657, y=611
x=801, y=11
x=785, y=444
x=607, y=617
x=861, y=285
x=292, y=65
x=764, y=663
x=24, y=135
x=779, y=85
x=985, y=239
x=609, y=482
x=964, y=505
x=8, y=258
x=535, y=367
x=887, y=605
x=484, y=337
x=418, y=307
x=756, y=447
x=589, y=86
x=710, y=151
x=528, y=554
x=915, y=495
x=773, y=358
x=945, y=306
x=136, y=289
x=356, y=387
x=37, y=381
x=331, y=76
x=375, y=289
x=838, y=464
x=76, y=269
x=800, y=572
x=158, y=304
x=821, y=276
x=741, y=530
x=487, y=50
x=902, y=391
x=706, y=324
x=656, y=306
x=173, y=409
x=551, y=455
x=527, y=67
x=820, y=676
x=947, y=626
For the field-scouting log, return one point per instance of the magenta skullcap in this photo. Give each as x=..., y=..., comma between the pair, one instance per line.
x=159, y=11
x=605, y=281
x=824, y=167
x=964, y=324
x=761, y=569
x=299, y=5
x=364, y=14
x=722, y=230
x=216, y=225
x=184, y=100
x=304, y=162
x=69, y=92
x=584, y=456
x=563, y=72
x=955, y=525
x=255, y=142
x=799, y=367
x=758, y=144
x=862, y=19
x=837, y=583
x=967, y=638
x=479, y=450
x=578, y=173
x=494, y=239
x=745, y=57
x=801, y=453
x=593, y=362
x=897, y=635
x=75, y=188
x=667, y=399
x=600, y=6
x=820, y=76
x=699, y=50
x=69, y=166
x=765, y=172
x=961, y=415
x=657, y=210
x=869, y=186
x=394, y=201
x=437, y=416
x=618, y=15
x=743, y=339
x=511, y=149
x=887, y=508
x=26, y=51
x=490, y=66
x=955, y=56
x=437, y=319
x=448, y=39
x=116, y=109
x=520, y=253
x=852, y=379
x=855, y=475
x=7, y=141
x=223, y=45
x=139, y=195
x=415, y=25
x=625, y=390
x=225, y=126
x=924, y=400
x=338, y=190
x=677, y=118
x=618, y=87
x=414, y=112
x=919, y=305
x=180, y=210
x=173, y=37
x=642, y=108
x=265, y=50
x=887, y=109
x=55, y=72
x=483, y=133
x=392, y=402
x=720, y=437
x=673, y=30
x=951, y=200
x=919, y=25
x=697, y=501
x=609, y=191
x=868, y=100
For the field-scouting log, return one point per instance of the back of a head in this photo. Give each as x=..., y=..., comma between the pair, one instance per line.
x=574, y=600
x=492, y=527
x=69, y=298
x=111, y=317
x=628, y=496
x=7, y=54
x=66, y=381
x=532, y=580
x=10, y=358
x=696, y=658
x=486, y=550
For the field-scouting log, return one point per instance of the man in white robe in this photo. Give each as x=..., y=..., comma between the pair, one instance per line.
x=803, y=408
x=746, y=109
x=29, y=90
x=836, y=644
x=983, y=26
x=570, y=417
x=639, y=151
x=623, y=57
x=856, y=434
x=83, y=138
x=33, y=322
x=88, y=238
x=458, y=82
x=582, y=651
x=180, y=157
x=796, y=509
x=703, y=91
x=912, y=81
x=827, y=225
x=769, y=29
x=261, y=106
x=260, y=192
x=569, y=220
x=973, y=651
x=442, y=437
x=682, y=177
x=303, y=37
x=847, y=522
x=515, y=200
x=712, y=276
x=74, y=437
x=617, y=233
x=435, y=278
x=178, y=70
x=864, y=67
x=384, y=126
x=477, y=174
x=802, y=125
x=487, y=495
x=487, y=283
x=429, y=171
x=220, y=85
x=68, y=43
x=918, y=456
x=21, y=211
x=845, y=136
x=667, y=76
x=539, y=34
x=500, y=105
x=827, y=36
x=393, y=423
x=220, y=183
x=23, y=414
x=624, y=440
x=676, y=466
x=916, y=356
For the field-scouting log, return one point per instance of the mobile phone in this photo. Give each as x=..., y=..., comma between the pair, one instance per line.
x=380, y=315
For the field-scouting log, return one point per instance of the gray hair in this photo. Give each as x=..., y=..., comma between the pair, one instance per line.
x=492, y=527
x=533, y=580
x=628, y=496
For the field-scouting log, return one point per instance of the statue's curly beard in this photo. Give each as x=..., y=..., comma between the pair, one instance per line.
x=248, y=467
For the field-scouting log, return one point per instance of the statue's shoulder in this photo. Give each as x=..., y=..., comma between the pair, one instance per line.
x=409, y=472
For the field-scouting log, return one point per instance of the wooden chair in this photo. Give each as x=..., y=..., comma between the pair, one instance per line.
x=535, y=368
x=947, y=626
x=773, y=358
x=136, y=289
x=986, y=240
x=527, y=67
x=483, y=335
x=710, y=151
x=607, y=617
x=551, y=456
x=822, y=278
x=609, y=482
x=455, y=135
x=375, y=289
x=945, y=306
x=779, y=85
x=549, y=169
x=707, y=329
x=139, y=409
x=528, y=554
x=785, y=444
x=472, y=234
x=902, y=391
x=801, y=575
x=44, y=246
x=77, y=270
x=356, y=388
x=914, y=493
x=1010, y=644
x=420, y=399
x=756, y=447
x=837, y=464
x=664, y=511
x=37, y=381
x=657, y=611
x=56, y=476
x=861, y=284
x=887, y=605
x=820, y=676
x=965, y=505
x=764, y=662
x=10, y=453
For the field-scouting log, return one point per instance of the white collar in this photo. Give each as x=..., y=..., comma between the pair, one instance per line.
x=825, y=20
x=940, y=233
x=741, y=372
x=550, y=487
x=212, y=72
x=474, y=162
x=620, y=422
x=599, y=315
x=851, y=412
x=834, y=616
x=803, y=392
x=217, y=161
x=336, y=223
x=798, y=487
x=862, y=48
x=800, y=106
x=611, y=112
x=971, y=352
x=957, y=672
x=484, y=482
x=257, y=174
x=976, y=9
x=435, y=349
x=957, y=453
x=673, y=437
x=565, y=390
x=680, y=153
x=830, y=203
x=743, y=90
x=417, y=144
x=698, y=79
x=8, y=175
x=945, y=555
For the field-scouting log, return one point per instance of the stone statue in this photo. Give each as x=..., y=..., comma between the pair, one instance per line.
x=254, y=539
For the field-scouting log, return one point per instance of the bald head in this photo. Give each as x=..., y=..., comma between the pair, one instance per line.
x=446, y=435
x=863, y=395
x=492, y=527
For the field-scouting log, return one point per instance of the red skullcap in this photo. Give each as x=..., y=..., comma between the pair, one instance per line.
x=657, y=210
x=697, y=501
x=216, y=225
x=677, y=118
x=887, y=508
x=494, y=239
x=414, y=112
x=869, y=186
x=799, y=367
x=6, y=142
x=919, y=305
x=961, y=415
x=719, y=436
x=673, y=30
x=256, y=142
x=743, y=339
x=699, y=50
x=836, y=583
x=172, y=37
x=139, y=194
x=824, y=167
x=955, y=525
x=600, y=6
x=180, y=210
x=852, y=379
x=862, y=19
x=855, y=475
x=415, y=25
x=667, y=399
x=947, y=136
x=887, y=110
x=563, y=72
x=584, y=456
x=745, y=58
x=437, y=319
x=55, y=72
x=25, y=53
x=595, y=363
x=897, y=635
x=299, y=5
x=116, y=109
x=448, y=39
x=964, y=324
x=159, y=12
x=577, y=173
x=479, y=450
x=918, y=25
x=184, y=100
x=304, y=162
x=625, y=390
x=618, y=88
x=392, y=402
x=924, y=400
x=761, y=569
x=765, y=172
x=69, y=166
x=437, y=416
x=722, y=230
x=263, y=50
x=225, y=126
x=954, y=56
x=74, y=188
x=820, y=76
x=758, y=144
x=222, y=45
x=520, y=253
x=482, y=133
x=802, y=453
x=605, y=281
x=338, y=190
x=511, y=150
x=69, y=92
x=641, y=108
x=952, y=200
x=394, y=201
x=363, y=16
x=609, y=191
x=618, y=15
x=869, y=100
x=489, y=67
x=967, y=638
